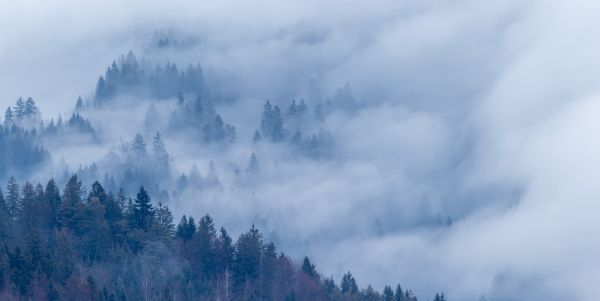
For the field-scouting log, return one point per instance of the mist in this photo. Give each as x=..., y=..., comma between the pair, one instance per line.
x=464, y=159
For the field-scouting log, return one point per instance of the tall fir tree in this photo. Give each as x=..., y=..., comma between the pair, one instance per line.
x=13, y=198
x=143, y=212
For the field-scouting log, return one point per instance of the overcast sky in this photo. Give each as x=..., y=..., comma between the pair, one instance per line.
x=484, y=111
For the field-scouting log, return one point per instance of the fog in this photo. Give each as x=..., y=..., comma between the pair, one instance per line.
x=480, y=112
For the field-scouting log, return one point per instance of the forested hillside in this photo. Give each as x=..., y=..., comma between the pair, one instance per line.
x=71, y=244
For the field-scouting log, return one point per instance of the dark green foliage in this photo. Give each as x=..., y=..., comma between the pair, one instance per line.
x=13, y=198
x=143, y=212
x=348, y=285
x=309, y=269
x=388, y=294
x=67, y=247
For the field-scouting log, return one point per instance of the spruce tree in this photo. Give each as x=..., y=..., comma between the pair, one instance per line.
x=71, y=203
x=348, y=285
x=309, y=269
x=13, y=198
x=53, y=203
x=20, y=109
x=388, y=294
x=138, y=146
x=399, y=296
x=256, y=138
x=252, y=164
x=159, y=151
x=79, y=104
x=27, y=218
x=4, y=221
x=9, y=117
x=143, y=212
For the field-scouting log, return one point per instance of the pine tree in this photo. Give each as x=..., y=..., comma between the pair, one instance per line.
x=53, y=203
x=79, y=104
x=183, y=229
x=348, y=285
x=293, y=108
x=71, y=203
x=9, y=117
x=164, y=218
x=4, y=223
x=388, y=293
x=203, y=252
x=266, y=118
x=399, y=296
x=98, y=192
x=13, y=198
x=143, y=212
x=20, y=109
x=309, y=269
x=247, y=260
x=256, y=137
x=160, y=152
x=252, y=164
x=271, y=124
x=277, y=133
x=28, y=214
x=31, y=110
x=101, y=89
x=138, y=146
x=225, y=250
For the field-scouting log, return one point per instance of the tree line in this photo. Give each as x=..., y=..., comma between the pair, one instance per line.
x=71, y=244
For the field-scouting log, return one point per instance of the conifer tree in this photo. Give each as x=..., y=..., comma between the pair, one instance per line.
x=309, y=269
x=4, y=222
x=79, y=104
x=28, y=213
x=203, y=252
x=164, y=218
x=143, y=212
x=160, y=152
x=138, y=146
x=13, y=198
x=348, y=285
x=399, y=296
x=52, y=203
x=257, y=137
x=388, y=293
x=9, y=117
x=71, y=203
x=252, y=164
x=20, y=109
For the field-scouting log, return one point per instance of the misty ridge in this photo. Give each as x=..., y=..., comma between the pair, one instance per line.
x=443, y=146
x=137, y=113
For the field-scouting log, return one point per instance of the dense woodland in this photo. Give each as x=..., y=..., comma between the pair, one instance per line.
x=71, y=244
x=101, y=244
